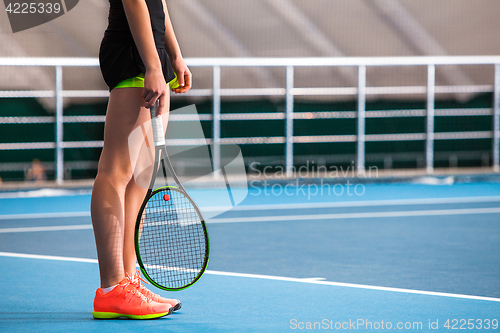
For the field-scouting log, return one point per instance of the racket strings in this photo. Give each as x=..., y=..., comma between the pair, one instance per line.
x=172, y=240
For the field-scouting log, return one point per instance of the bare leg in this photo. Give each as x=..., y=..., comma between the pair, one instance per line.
x=109, y=198
x=134, y=196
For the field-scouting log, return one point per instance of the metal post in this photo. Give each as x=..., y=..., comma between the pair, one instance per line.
x=289, y=121
x=429, y=147
x=216, y=121
x=361, y=118
x=59, y=126
x=496, y=120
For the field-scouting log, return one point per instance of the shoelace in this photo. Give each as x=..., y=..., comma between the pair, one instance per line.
x=137, y=278
x=136, y=292
x=137, y=282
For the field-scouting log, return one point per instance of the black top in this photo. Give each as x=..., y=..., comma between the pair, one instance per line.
x=119, y=30
x=118, y=56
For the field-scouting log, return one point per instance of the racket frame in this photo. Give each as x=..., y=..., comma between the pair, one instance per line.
x=162, y=159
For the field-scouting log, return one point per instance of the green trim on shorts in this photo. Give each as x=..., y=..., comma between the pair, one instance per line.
x=134, y=82
x=138, y=82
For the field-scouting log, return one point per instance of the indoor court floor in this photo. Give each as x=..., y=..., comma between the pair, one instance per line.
x=405, y=257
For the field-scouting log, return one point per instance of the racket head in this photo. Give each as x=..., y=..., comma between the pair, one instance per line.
x=171, y=239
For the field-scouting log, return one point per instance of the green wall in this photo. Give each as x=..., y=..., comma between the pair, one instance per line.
x=274, y=152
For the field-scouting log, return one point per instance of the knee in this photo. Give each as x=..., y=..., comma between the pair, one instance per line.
x=118, y=175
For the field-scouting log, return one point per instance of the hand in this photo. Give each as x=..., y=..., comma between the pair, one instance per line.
x=184, y=76
x=155, y=88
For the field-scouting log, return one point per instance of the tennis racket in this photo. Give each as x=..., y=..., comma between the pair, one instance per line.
x=171, y=239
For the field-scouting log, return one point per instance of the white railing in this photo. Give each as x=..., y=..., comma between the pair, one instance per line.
x=289, y=92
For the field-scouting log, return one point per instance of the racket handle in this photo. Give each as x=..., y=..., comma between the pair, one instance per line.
x=157, y=123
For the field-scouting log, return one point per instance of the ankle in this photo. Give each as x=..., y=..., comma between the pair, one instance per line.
x=108, y=289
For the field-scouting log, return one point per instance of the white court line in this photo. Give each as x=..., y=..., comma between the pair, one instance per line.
x=50, y=228
x=43, y=215
x=44, y=192
x=369, y=203
x=276, y=278
x=44, y=257
x=437, y=212
x=361, y=203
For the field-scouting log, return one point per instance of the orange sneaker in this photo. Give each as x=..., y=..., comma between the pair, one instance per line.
x=136, y=280
x=126, y=301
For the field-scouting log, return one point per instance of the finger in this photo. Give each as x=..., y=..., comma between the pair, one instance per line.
x=151, y=103
x=152, y=100
x=180, y=77
x=187, y=84
x=147, y=95
x=162, y=103
x=188, y=80
x=184, y=89
x=162, y=100
x=184, y=78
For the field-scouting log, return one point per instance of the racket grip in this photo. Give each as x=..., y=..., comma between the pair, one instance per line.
x=157, y=124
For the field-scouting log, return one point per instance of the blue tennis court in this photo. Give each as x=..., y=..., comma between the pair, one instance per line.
x=406, y=257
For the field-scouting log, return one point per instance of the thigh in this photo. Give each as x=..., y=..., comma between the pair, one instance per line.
x=126, y=113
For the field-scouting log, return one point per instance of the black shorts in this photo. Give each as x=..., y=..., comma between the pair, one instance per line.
x=121, y=61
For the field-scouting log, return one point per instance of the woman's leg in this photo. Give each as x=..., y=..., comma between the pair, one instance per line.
x=135, y=193
x=134, y=196
x=115, y=173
